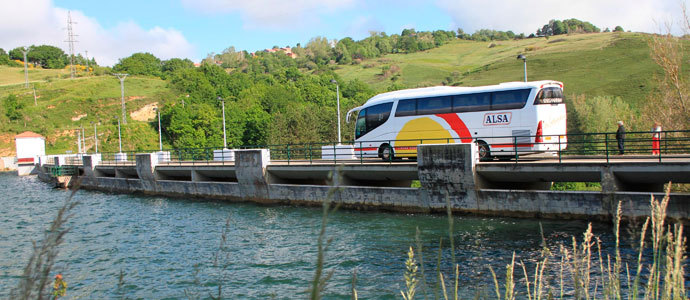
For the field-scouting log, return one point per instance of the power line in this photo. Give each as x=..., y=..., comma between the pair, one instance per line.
x=71, y=41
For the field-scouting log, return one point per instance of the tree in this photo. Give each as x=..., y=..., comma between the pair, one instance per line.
x=49, y=57
x=139, y=64
x=618, y=29
x=559, y=27
x=4, y=57
x=193, y=83
x=174, y=64
x=12, y=107
x=318, y=50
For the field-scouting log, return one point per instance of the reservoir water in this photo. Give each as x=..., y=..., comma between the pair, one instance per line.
x=166, y=247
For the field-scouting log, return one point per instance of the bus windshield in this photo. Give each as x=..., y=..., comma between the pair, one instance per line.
x=372, y=117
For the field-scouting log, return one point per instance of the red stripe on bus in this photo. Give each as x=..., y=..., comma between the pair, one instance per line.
x=458, y=126
x=511, y=145
x=365, y=149
x=25, y=160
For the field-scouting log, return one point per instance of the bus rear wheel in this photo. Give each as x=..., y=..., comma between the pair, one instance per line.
x=386, y=152
x=484, y=151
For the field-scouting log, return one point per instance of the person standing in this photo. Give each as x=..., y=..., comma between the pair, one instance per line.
x=656, y=138
x=620, y=137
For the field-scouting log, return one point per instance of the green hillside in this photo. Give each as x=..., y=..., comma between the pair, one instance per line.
x=602, y=64
x=611, y=64
x=63, y=105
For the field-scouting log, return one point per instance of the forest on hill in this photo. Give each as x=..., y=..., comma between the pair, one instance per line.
x=275, y=98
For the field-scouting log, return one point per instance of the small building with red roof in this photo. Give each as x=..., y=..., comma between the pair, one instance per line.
x=30, y=146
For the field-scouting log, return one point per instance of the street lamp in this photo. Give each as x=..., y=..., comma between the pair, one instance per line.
x=225, y=141
x=119, y=134
x=83, y=138
x=95, y=136
x=524, y=59
x=337, y=92
x=160, y=136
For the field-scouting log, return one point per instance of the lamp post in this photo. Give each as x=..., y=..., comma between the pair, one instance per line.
x=524, y=59
x=78, y=141
x=83, y=139
x=95, y=136
x=337, y=97
x=225, y=141
x=160, y=136
x=119, y=134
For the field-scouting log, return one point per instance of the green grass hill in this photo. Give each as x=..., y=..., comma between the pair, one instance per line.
x=63, y=105
x=602, y=64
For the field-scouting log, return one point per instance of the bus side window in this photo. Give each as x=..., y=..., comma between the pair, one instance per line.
x=514, y=99
x=434, y=105
x=406, y=108
x=471, y=102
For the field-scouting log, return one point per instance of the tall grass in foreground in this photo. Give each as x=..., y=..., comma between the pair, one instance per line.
x=585, y=271
x=36, y=280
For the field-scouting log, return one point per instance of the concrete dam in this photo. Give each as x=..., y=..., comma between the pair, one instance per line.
x=450, y=175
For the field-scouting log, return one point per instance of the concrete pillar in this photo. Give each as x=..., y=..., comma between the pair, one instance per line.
x=196, y=176
x=448, y=170
x=119, y=174
x=252, y=177
x=90, y=162
x=146, y=166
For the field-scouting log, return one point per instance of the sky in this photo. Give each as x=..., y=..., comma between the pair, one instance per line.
x=111, y=30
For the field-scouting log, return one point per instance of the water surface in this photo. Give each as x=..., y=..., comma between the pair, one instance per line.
x=169, y=247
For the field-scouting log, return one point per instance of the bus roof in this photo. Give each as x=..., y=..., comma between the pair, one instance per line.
x=451, y=90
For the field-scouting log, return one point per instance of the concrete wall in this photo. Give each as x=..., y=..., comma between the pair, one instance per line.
x=445, y=172
x=8, y=163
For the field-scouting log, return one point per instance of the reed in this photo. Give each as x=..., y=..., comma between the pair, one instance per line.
x=584, y=270
x=319, y=282
x=35, y=280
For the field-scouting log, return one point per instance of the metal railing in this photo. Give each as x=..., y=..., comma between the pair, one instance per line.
x=56, y=171
x=584, y=146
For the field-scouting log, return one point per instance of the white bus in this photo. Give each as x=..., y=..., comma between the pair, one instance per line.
x=527, y=116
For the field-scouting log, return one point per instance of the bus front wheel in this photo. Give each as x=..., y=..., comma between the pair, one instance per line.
x=484, y=151
x=386, y=152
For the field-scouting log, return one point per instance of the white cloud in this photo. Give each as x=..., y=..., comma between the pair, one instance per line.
x=361, y=27
x=271, y=14
x=528, y=15
x=39, y=22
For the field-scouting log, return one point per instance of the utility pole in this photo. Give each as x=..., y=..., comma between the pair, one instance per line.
x=26, y=50
x=122, y=92
x=71, y=41
x=87, y=62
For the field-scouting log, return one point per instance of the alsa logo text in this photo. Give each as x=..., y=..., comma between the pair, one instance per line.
x=497, y=118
